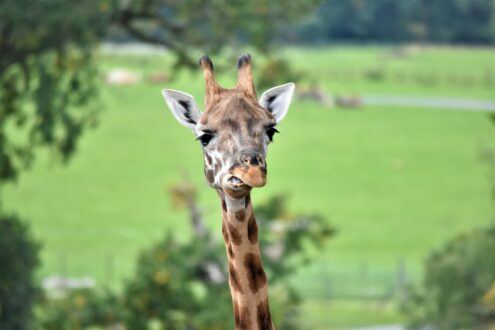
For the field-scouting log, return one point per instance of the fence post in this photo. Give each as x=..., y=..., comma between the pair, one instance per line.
x=62, y=265
x=109, y=270
x=364, y=278
x=402, y=280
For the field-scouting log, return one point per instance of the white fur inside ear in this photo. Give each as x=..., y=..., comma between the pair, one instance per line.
x=183, y=107
x=277, y=100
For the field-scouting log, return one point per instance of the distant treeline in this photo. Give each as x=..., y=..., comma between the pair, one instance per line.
x=439, y=21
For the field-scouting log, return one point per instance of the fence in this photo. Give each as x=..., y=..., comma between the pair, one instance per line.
x=484, y=79
x=359, y=282
x=325, y=281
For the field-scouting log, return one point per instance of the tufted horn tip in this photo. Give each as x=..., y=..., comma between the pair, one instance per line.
x=245, y=81
x=206, y=62
x=212, y=89
x=243, y=60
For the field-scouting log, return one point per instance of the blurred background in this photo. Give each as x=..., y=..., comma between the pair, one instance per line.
x=379, y=212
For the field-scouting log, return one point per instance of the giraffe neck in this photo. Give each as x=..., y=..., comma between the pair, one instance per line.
x=247, y=280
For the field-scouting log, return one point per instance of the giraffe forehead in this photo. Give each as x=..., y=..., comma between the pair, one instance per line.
x=235, y=112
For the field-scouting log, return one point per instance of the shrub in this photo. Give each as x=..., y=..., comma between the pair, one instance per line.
x=81, y=309
x=18, y=262
x=458, y=288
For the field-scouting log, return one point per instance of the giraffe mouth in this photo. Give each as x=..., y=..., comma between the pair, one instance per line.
x=235, y=183
x=234, y=186
x=240, y=180
x=234, y=180
x=251, y=176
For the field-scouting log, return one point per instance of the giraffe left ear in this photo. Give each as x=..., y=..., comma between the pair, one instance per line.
x=277, y=100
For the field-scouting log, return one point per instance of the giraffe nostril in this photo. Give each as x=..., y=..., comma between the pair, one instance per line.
x=245, y=160
x=251, y=159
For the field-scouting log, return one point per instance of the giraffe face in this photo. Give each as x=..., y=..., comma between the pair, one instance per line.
x=234, y=131
x=234, y=135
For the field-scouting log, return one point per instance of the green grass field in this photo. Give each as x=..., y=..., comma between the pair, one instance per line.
x=395, y=182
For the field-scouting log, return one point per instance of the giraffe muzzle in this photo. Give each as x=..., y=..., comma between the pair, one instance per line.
x=248, y=172
x=251, y=176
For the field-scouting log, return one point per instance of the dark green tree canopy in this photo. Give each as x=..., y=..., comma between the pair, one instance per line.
x=458, y=289
x=18, y=285
x=446, y=21
x=46, y=77
x=186, y=27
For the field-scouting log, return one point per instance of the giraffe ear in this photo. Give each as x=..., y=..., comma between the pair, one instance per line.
x=277, y=100
x=183, y=107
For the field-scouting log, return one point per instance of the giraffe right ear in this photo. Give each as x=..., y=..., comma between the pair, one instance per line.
x=183, y=107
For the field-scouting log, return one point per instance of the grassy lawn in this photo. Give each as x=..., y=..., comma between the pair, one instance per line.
x=395, y=182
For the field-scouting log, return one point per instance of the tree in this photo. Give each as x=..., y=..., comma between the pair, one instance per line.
x=451, y=21
x=47, y=76
x=186, y=27
x=18, y=287
x=457, y=21
x=458, y=288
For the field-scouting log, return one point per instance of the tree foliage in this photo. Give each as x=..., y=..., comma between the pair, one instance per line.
x=81, y=309
x=458, y=289
x=18, y=261
x=47, y=77
x=186, y=27
x=450, y=21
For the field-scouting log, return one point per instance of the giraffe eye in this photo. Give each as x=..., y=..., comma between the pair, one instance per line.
x=271, y=132
x=205, y=139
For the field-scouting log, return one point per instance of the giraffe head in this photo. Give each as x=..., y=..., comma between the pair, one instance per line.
x=235, y=128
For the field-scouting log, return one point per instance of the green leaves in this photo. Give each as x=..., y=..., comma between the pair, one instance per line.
x=18, y=260
x=47, y=78
x=457, y=287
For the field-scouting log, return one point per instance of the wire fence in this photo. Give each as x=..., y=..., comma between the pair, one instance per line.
x=360, y=281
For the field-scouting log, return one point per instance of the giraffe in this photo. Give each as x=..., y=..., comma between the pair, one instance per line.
x=234, y=131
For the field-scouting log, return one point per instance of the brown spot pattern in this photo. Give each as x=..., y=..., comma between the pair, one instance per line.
x=210, y=176
x=234, y=278
x=208, y=159
x=224, y=205
x=230, y=251
x=244, y=319
x=252, y=230
x=247, y=201
x=224, y=233
x=250, y=122
x=234, y=235
x=233, y=125
x=240, y=215
x=237, y=317
x=255, y=273
x=264, y=317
